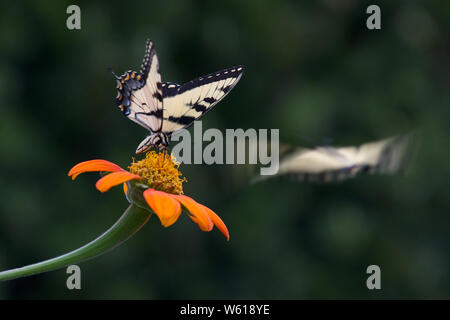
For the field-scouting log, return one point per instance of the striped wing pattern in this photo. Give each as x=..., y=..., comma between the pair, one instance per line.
x=164, y=108
x=183, y=104
x=140, y=94
x=329, y=164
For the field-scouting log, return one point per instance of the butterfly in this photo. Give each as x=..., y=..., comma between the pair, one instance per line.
x=333, y=164
x=165, y=108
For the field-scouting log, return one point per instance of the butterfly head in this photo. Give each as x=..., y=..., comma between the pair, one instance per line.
x=157, y=140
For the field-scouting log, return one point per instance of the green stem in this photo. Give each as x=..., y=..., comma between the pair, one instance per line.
x=129, y=223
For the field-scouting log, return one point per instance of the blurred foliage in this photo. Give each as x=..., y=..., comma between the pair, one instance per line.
x=313, y=70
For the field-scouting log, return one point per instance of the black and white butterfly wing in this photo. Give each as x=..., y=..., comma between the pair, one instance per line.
x=322, y=164
x=189, y=102
x=314, y=161
x=387, y=156
x=330, y=164
x=140, y=94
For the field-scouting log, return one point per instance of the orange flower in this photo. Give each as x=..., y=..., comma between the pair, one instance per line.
x=157, y=180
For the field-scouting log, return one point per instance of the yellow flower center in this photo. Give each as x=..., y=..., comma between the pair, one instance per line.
x=159, y=171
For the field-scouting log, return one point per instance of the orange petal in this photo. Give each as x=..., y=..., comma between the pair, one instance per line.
x=113, y=179
x=125, y=189
x=217, y=222
x=166, y=208
x=93, y=165
x=197, y=213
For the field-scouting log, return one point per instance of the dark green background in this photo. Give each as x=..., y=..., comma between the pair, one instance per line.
x=313, y=70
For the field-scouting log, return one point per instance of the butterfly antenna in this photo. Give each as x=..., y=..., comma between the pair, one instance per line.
x=111, y=70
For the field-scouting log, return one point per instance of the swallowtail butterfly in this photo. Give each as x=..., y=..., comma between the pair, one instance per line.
x=164, y=108
x=331, y=164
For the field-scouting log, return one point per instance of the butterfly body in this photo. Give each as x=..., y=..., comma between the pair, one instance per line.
x=157, y=139
x=164, y=108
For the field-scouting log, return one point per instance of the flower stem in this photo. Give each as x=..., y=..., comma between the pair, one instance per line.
x=128, y=224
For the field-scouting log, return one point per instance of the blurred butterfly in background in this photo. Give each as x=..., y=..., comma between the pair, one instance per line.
x=333, y=164
x=164, y=108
